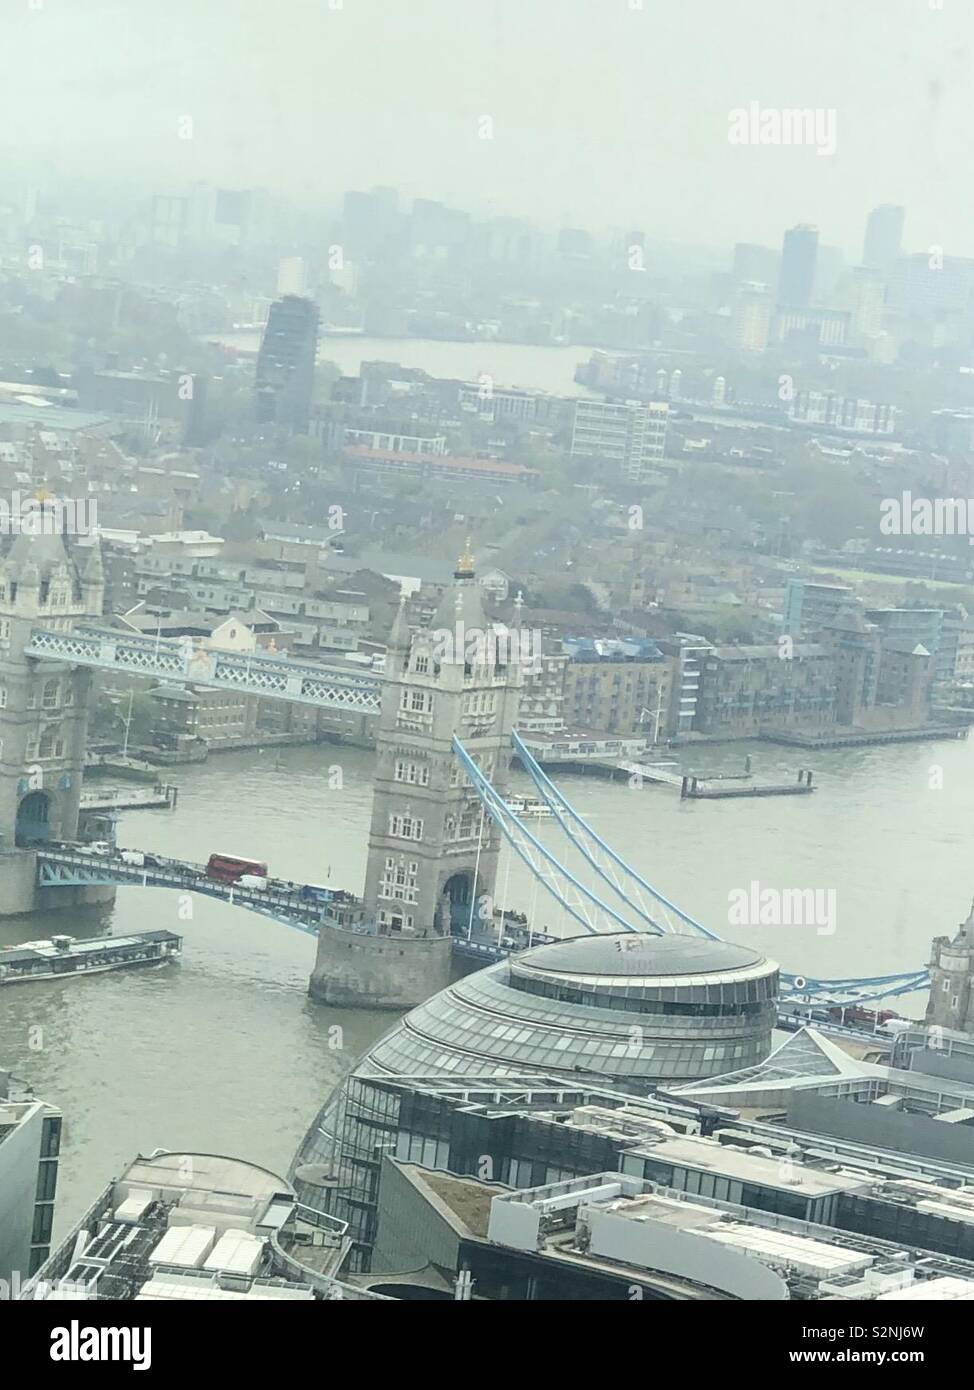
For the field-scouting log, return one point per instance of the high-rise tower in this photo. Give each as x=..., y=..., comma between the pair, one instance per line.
x=884, y=237
x=799, y=257
x=286, y=364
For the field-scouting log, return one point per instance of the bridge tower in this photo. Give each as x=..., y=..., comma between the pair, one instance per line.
x=43, y=709
x=951, y=1002
x=432, y=853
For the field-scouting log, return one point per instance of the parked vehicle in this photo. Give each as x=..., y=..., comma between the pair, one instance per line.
x=99, y=847
x=253, y=881
x=228, y=868
x=311, y=893
x=132, y=856
x=855, y=1014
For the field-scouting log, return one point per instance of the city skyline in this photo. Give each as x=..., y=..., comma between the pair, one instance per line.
x=246, y=104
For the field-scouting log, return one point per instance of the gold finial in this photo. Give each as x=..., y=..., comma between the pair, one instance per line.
x=41, y=493
x=464, y=567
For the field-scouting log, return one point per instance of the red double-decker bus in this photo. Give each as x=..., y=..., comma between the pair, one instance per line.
x=229, y=867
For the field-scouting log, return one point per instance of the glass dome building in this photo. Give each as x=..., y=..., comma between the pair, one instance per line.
x=634, y=1011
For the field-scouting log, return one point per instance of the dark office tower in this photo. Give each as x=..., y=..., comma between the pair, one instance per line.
x=884, y=237
x=286, y=364
x=799, y=254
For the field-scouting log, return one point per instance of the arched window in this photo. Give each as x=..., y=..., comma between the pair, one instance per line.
x=49, y=699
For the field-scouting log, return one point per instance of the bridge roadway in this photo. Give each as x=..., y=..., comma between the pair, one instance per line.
x=174, y=660
x=67, y=866
x=62, y=866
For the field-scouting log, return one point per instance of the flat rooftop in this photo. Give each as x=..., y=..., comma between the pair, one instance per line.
x=712, y=1157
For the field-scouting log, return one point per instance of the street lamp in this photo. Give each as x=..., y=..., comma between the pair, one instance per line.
x=126, y=721
x=658, y=715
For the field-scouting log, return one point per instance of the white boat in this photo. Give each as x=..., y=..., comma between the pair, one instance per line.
x=64, y=955
x=528, y=806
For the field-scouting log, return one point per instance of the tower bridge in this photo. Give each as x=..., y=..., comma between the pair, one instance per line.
x=255, y=673
x=439, y=812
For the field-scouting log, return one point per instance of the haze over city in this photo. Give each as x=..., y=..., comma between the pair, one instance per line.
x=605, y=112
x=486, y=677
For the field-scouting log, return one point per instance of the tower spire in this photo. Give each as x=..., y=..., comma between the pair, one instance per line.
x=464, y=569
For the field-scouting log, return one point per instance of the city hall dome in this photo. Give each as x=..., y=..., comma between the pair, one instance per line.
x=633, y=1010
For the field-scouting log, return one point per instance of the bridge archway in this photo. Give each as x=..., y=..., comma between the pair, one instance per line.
x=33, y=820
x=458, y=891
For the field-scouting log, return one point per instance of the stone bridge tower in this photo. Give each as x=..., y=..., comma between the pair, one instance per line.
x=951, y=1002
x=43, y=708
x=432, y=853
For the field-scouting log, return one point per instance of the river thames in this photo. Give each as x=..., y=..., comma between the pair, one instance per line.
x=225, y=1051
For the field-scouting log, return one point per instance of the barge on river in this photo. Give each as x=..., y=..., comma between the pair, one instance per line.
x=64, y=955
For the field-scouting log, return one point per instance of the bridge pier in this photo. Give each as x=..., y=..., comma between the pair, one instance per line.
x=20, y=893
x=354, y=970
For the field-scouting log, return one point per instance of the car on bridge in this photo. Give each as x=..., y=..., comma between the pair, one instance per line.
x=142, y=859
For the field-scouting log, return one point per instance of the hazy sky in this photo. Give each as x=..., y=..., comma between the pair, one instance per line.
x=604, y=112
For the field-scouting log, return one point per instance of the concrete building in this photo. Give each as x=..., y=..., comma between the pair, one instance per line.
x=424, y=446
x=602, y=1237
x=178, y=1226
x=868, y=302
x=541, y=708
x=819, y=327
x=810, y=607
x=628, y=436
x=617, y=687
x=30, y=1143
x=184, y=714
x=747, y=690
x=751, y=317
x=628, y=1011
x=510, y=404
x=844, y=413
x=688, y=651
x=144, y=399
x=515, y=1131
